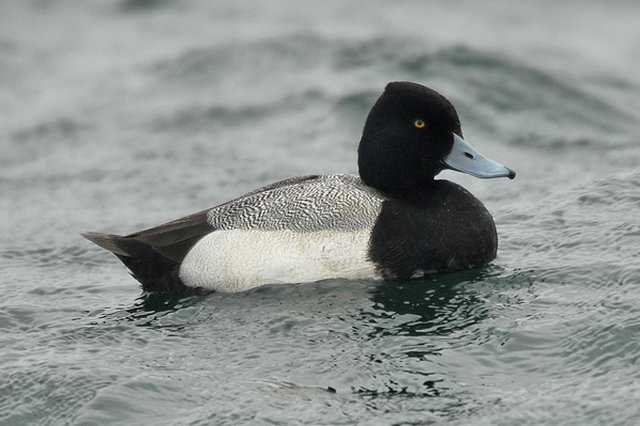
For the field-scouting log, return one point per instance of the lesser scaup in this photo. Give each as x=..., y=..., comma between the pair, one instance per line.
x=392, y=221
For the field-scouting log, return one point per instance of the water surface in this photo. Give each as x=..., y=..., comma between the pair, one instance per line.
x=120, y=115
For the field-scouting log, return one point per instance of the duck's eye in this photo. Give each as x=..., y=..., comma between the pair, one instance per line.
x=419, y=124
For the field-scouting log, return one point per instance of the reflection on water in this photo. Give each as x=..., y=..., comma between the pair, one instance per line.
x=153, y=309
x=436, y=305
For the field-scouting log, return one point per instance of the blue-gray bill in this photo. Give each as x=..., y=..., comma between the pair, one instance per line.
x=466, y=159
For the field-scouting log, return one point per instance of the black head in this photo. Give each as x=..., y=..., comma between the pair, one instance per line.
x=408, y=138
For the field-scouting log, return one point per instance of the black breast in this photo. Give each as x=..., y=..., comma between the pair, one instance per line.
x=442, y=228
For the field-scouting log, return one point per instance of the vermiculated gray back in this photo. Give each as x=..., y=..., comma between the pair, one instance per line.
x=326, y=202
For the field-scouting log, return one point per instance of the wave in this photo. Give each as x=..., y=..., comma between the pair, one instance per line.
x=538, y=107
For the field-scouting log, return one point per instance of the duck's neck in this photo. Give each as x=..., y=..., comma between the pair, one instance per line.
x=416, y=194
x=382, y=166
x=401, y=182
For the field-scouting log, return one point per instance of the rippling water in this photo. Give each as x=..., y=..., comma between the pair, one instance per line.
x=121, y=115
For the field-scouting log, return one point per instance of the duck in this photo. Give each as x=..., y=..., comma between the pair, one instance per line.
x=391, y=221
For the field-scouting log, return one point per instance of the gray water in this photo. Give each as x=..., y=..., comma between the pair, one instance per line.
x=119, y=115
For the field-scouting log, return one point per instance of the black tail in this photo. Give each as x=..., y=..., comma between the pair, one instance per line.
x=154, y=255
x=155, y=271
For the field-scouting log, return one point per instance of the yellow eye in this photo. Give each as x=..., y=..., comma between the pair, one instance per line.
x=419, y=124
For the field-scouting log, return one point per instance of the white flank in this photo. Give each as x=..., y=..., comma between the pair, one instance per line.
x=237, y=260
